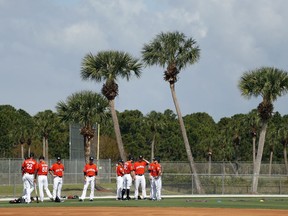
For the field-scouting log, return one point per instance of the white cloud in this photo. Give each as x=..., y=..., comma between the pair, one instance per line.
x=43, y=42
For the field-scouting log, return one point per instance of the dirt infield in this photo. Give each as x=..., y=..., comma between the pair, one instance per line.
x=81, y=211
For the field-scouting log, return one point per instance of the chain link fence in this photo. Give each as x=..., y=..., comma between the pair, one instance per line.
x=216, y=178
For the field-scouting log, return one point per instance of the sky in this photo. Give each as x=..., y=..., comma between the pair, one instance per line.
x=43, y=43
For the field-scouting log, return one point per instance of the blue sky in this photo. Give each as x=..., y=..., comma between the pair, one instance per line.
x=42, y=44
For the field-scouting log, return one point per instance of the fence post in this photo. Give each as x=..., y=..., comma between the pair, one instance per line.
x=9, y=175
x=223, y=177
x=192, y=182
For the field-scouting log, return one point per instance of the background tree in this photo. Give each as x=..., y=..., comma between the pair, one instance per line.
x=131, y=126
x=24, y=131
x=107, y=66
x=155, y=122
x=173, y=51
x=84, y=108
x=253, y=120
x=269, y=83
x=10, y=133
x=45, y=121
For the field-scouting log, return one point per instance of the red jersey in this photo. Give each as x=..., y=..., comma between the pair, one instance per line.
x=128, y=167
x=57, y=169
x=155, y=169
x=42, y=168
x=120, y=170
x=90, y=170
x=29, y=166
x=139, y=167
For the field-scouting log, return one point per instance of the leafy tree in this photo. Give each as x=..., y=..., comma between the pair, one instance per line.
x=8, y=120
x=131, y=125
x=269, y=83
x=85, y=108
x=174, y=52
x=108, y=66
x=201, y=129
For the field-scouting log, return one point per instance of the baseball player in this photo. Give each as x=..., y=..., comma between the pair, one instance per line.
x=28, y=170
x=24, y=196
x=119, y=180
x=42, y=171
x=150, y=167
x=90, y=170
x=57, y=171
x=156, y=173
x=127, y=178
x=139, y=168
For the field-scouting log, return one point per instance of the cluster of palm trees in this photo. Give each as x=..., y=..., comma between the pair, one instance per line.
x=172, y=51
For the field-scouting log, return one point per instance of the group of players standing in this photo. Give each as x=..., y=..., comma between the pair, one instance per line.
x=127, y=172
x=33, y=171
x=130, y=171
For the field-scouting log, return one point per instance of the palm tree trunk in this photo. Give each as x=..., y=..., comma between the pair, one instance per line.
x=153, y=147
x=270, y=163
x=285, y=158
x=186, y=142
x=43, y=147
x=22, y=151
x=117, y=130
x=254, y=151
x=46, y=148
x=87, y=148
x=259, y=158
x=209, y=165
x=29, y=150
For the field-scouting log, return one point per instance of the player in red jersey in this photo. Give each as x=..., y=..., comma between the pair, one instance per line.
x=139, y=168
x=42, y=172
x=156, y=173
x=119, y=180
x=57, y=171
x=127, y=178
x=90, y=171
x=29, y=167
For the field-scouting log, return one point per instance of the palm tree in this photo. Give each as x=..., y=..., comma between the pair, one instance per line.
x=155, y=121
x=174, y=52
x=45, y=122
x=107, y=66
x=269, y=83
x=253, y=121
x=84, y=108
x=284, y=141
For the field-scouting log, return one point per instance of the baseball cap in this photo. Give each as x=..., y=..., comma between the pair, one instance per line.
x=91, y=158
x=58, y=158
x=31, y=154
x=141, y=157
x=41, y=157
x=120, y=161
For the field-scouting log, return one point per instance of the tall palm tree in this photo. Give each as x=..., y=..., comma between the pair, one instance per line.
x=108, y=66
x=84, y=108
x=269, y=83
x=173, y=51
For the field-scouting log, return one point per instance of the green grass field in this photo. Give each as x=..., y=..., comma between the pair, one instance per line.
x=8, y=192
x=252, y=203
